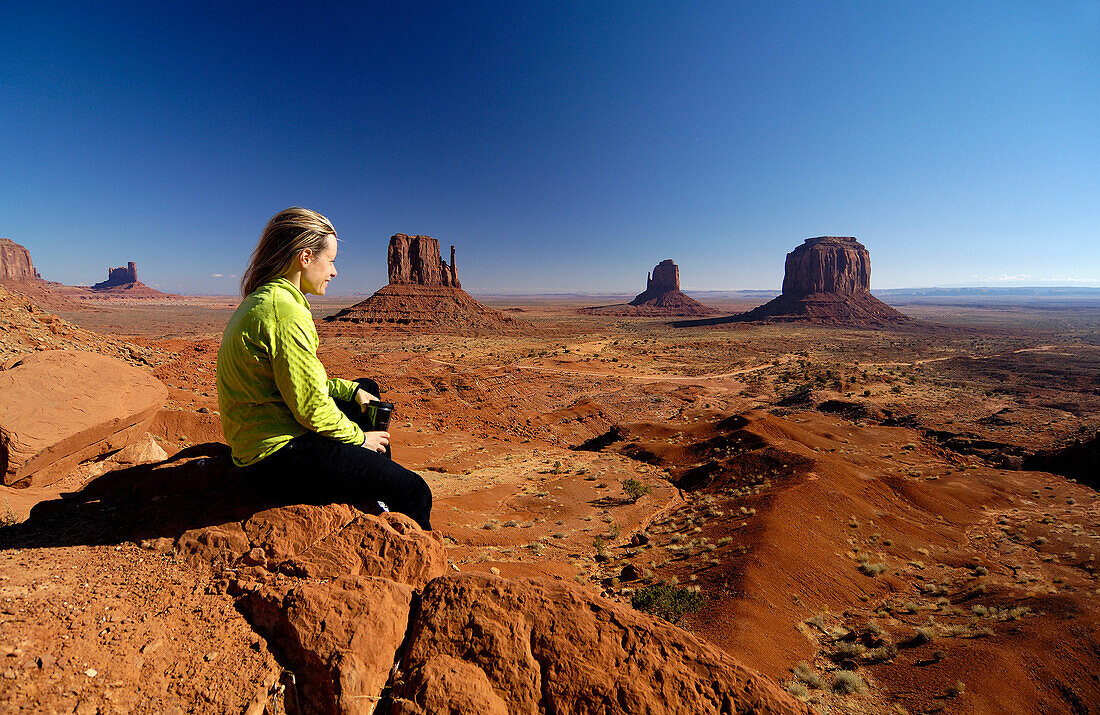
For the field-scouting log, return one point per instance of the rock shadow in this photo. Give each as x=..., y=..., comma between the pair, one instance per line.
x=198, y=486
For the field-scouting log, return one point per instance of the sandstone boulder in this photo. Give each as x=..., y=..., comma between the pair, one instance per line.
x=339, y=638
x=15, y=262
x=339, y=620
x=61, y=407
x=487, y=644
x=322, y=542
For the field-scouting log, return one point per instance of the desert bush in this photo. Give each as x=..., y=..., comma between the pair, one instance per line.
x=923, y=635
x=8, y=518
x=847, y=682
x=870, y=569
x=667, y=601
x=798, y=690
x=881, y=654
x=803, y=673
x=635, y=489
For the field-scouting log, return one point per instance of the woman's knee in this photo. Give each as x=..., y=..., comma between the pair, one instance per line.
x=369, y=385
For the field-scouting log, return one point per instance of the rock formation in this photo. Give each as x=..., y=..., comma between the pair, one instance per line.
x=15, y=262
x=363, y=610
x=123, y=282
x=61, y=407
x=487, y=644
x=424, y=294
x=119, y=276
x=826, y=280
x=416, y=260
x=662, y=296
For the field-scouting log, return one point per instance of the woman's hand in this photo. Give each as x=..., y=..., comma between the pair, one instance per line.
x=376, y=441
x=362, y=397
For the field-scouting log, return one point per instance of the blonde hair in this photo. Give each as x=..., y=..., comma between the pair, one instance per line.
x=287, y=234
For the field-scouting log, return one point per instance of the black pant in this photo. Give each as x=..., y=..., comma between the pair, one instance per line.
x=339, y=472
x=352, y=410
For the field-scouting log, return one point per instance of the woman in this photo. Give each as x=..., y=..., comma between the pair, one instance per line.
x=279, y=409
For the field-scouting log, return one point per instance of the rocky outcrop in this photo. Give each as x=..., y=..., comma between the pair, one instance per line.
x=416, y=260
x=487, y=644
x=123, y=282
x=826, y=280
x=662, y=296
x=59, y=408
x=403, y=635
x=119, y=276
x=436, y=309
x=330, y=588
x=827, y=264
x=424, y=295
x=15, y=262
x=666, y=277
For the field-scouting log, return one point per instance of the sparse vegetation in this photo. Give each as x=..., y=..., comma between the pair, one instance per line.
x=803, y=673
x=667, y=601
x=848, y=682
x=798, y=690
x=635, y=489
x=873, y=570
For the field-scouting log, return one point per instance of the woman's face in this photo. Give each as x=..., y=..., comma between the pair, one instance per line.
x=319, y=268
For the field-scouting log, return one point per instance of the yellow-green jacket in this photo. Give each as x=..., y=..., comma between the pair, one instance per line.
x=271, y=386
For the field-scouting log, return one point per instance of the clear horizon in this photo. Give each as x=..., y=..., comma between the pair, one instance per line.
x=564, y=148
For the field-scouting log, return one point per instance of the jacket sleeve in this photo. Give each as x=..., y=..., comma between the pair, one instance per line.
x=339, y=389
x=302, y=381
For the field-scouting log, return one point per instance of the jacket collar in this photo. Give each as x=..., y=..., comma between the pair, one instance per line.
x=289, y=287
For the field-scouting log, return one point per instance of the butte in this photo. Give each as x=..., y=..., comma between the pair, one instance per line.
x=826, y=280
x=123, y=282
x=423, y=295
x=662, y=297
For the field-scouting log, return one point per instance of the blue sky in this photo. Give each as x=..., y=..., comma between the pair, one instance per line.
x=560, y=146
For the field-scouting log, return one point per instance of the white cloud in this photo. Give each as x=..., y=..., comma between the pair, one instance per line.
x=217, y=275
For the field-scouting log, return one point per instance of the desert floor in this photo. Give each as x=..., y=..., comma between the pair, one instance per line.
x=915, y=503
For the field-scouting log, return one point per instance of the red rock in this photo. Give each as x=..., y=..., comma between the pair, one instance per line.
x=424, y=294
x=662, y=296
x=15, y=262
x=340, y=623
x=827, y=264
x=416, y=259
x=119, y=276
x=338, y=638
x=826, y=280
x=666, y=276
x=487, y=644
x=323, y=542
x=61, y=407
x=439, y=309
x=123, y=282
x=389, y=545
